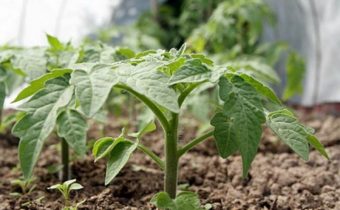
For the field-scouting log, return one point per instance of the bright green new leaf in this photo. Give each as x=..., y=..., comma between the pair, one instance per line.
x=290, y=131
x=54, y=43
x=38, y=84
x=191, y=72
x=243, y=117
x=117, y=159
x=184, y=201
x=93, y=86
x=40, y=120
x=72, y=127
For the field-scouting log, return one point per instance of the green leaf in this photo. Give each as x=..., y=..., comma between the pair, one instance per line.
x=40, y=120
x=243, y=116
x=162, y=200
x=224, y=136
x=256, y=68
x=32, y=62
x=147, y=80
x=93, y=84
x=317, y=145
x=38, y=84
x=54, y=43
x=69, y=182
x=101, y=145
x=184, y=201
x=118, y=157
x=75, y=186
x=261, y=88
x=290, y=131
x=188, y=200
x=295, y=68
x=191, y=72
x=104, y=146
x=72, y=127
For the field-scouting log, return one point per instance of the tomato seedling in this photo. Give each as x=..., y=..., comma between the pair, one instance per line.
x=162, y=81
x=65, y=189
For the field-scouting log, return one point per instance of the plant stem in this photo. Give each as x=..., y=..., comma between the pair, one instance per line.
x=171, y=159
x=159, y=114
x=151, y=154
x=193, y=143
x=65, y=173
x=186, y=92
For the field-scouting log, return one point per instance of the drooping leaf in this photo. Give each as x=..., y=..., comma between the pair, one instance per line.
x=100, y=148
x=72, y=127
x=290, y=131
x=93, y=86
x=317, y=145
x=38, y=84
x=191, y=72
x=104, y=146
x=40, y=120
x=117, y=159
x=243, y=116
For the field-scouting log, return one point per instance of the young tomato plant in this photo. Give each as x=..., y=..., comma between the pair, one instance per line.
x=162, y=81
x=53, y=102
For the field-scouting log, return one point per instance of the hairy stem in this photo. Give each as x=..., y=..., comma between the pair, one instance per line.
x=65, y=173
x=171, y=160
x=193, y=143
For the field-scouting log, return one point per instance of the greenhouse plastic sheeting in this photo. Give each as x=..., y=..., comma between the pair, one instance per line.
x=25, y=22
x=313, y=28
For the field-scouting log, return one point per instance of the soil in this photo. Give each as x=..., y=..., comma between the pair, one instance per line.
x=278, y=178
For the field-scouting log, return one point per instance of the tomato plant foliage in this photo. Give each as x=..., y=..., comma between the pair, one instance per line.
x=162, y=80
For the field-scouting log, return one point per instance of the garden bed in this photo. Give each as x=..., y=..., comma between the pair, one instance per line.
x=278, y=178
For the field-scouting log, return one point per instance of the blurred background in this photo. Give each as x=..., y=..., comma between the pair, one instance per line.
x=299, y=39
